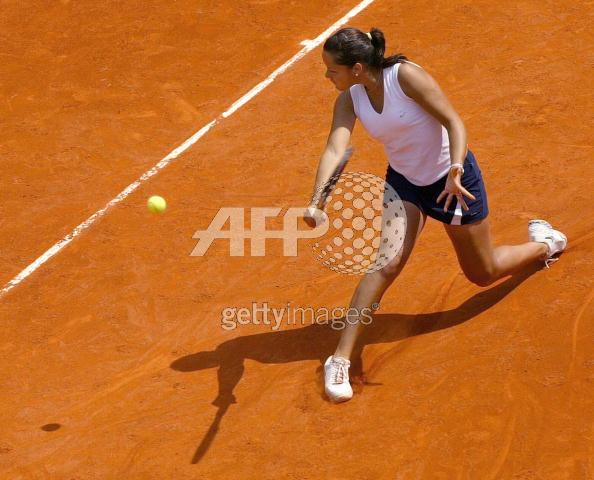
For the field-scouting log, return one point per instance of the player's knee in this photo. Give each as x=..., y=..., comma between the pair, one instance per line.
x=391, y=270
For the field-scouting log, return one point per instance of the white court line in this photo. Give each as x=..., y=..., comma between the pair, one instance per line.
x=309, y=46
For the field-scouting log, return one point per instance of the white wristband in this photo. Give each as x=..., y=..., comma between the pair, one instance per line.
x=459, y=166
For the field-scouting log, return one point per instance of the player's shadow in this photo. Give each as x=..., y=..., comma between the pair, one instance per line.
x=318, y=341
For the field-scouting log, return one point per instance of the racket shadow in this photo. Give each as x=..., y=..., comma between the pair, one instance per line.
x=316, y=342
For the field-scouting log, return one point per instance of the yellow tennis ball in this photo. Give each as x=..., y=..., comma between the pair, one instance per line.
x=156, y=204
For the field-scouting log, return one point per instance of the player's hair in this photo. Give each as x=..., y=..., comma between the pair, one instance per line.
x=350, y=45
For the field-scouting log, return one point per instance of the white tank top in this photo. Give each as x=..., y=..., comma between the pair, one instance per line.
x=416, y=144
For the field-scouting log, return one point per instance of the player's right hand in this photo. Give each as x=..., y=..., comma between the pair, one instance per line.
x=313, y=216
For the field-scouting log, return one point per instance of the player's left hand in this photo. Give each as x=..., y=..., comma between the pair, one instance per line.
x=454, y=189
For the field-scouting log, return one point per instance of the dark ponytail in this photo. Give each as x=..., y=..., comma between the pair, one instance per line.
x=350, y=45
x=379, y=44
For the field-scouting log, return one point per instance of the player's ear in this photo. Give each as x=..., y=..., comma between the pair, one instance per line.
x=357, y=69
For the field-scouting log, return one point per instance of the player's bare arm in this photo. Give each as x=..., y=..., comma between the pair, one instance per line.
x=343, y=122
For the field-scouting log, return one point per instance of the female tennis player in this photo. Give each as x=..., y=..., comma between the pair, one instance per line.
x=429, y=166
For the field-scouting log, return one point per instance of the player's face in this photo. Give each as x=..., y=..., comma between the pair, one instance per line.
x=340, y=75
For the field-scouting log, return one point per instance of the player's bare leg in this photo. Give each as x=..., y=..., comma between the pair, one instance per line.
x=482, y=262
x=367, y=295
x=372, y=286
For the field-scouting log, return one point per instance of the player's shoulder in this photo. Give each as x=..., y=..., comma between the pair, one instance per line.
x=409, y=71
x=413, y=78
x=344, y=96
x=344, y=99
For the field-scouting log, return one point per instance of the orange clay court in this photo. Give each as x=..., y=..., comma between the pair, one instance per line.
x=114, y=363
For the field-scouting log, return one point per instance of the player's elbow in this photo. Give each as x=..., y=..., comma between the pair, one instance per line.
x=454, y=123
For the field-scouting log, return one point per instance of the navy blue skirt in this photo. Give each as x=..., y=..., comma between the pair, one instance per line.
x=425, y=197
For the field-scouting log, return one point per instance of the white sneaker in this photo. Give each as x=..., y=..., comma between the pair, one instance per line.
x=336, y=379
x=541, y=231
